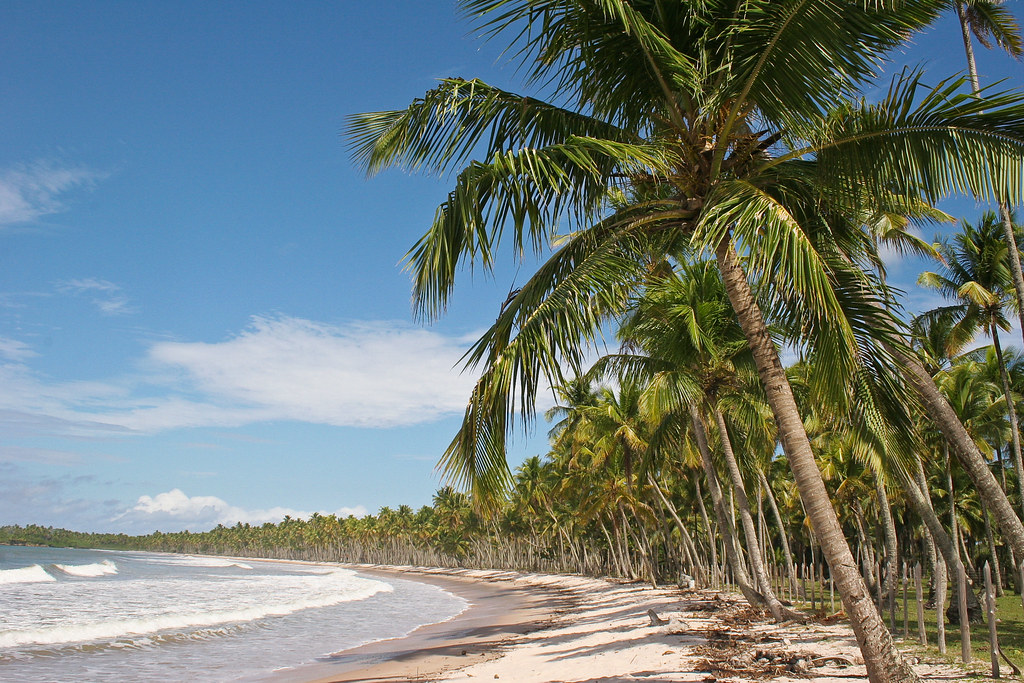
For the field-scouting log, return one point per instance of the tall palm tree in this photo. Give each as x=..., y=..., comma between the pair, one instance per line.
x=684, y=324
x=993, y=25
x=731, y=130
x=976, y=274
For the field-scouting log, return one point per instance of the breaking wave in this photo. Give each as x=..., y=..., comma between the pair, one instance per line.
x=33, y=574
x=104, y=568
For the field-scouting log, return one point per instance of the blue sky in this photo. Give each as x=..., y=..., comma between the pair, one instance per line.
x=202, y=315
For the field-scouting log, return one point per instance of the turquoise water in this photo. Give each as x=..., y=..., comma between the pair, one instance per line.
x=87, y=615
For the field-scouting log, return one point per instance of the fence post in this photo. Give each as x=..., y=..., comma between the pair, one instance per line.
x=990, y=604
x=965, y=621
x=1020, y=570
x=814, y=587
x=922, y=634
x=906, y=611
x=941, y=588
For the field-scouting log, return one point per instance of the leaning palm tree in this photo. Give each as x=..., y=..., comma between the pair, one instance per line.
x=976, y=274
x=684, y=324
x=685, y=337
x=685, y=125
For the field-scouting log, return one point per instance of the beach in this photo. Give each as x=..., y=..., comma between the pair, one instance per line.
x=538, y=628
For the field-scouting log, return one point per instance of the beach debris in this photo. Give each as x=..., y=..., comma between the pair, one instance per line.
x=757, y=663
x=655, y=619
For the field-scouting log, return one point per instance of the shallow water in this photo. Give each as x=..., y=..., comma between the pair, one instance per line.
x=73, y=615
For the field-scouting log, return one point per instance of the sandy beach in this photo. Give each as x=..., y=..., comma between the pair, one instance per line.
x=537, y=628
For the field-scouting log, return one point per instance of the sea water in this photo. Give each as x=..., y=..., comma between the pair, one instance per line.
x=90, y=615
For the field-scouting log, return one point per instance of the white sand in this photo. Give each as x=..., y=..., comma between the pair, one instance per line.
x=609, y=637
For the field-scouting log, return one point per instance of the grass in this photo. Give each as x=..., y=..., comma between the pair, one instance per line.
x=1009, y=627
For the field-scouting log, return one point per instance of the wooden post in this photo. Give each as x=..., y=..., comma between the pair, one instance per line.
x=990, y=605
x=890, y=595
x=1021, y=572
x=940, y=604
x=906, y=612
x=922, y=634
x=965, y=621
x=814, y=587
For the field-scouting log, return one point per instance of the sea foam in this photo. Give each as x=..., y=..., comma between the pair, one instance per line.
x=33, y=574
x=210, y=562
x=104, y=568
x=324, y=590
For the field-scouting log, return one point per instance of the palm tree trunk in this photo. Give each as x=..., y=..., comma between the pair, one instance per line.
x=684, y=537
x=866, y=549
x=919, y=500
x=786, y=552
x=1011, y=409
x=764, y=584
x=889, y=536
x=713, y=545
x=990, y=539
x=973, y=462
x=1013, y=254
x=724, y=526
x=965, y=28
x=883, y=661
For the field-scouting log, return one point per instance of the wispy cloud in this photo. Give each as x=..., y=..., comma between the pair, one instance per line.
x=363, y=374
x=27, y=498
x=14, y=350
x=50, y=501
x=175, y=510
x=367, y=374
x=30, y=191
x=108, y=297
x=46, y=456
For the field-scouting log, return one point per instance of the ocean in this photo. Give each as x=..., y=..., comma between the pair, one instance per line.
x=91, y=615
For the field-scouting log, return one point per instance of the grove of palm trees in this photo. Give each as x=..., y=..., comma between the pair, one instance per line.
x=680, y=140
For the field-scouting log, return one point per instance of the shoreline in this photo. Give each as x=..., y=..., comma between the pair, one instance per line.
x=500, y=608
x=543, y=628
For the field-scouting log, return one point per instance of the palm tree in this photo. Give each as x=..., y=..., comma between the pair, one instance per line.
x=690, y=124
x=684, y=323
x=976, y=274
x=994, y=25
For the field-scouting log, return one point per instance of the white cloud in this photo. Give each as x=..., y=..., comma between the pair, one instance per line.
x=12, y=349
x=28, y=192
x=368, y=374
x=175, y=510
x=364, y=374
x=106, y=296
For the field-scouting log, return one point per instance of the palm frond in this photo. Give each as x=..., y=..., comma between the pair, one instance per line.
x=919, y=140
x=462, y=119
